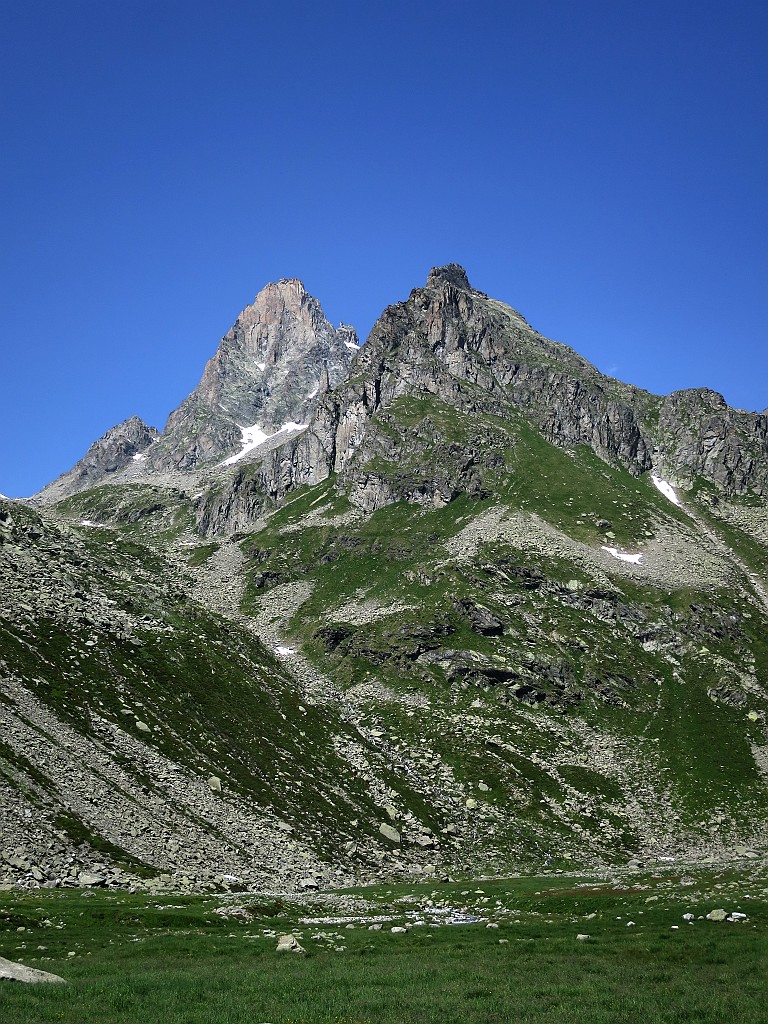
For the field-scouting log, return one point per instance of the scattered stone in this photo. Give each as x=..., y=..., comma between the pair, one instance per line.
x=389, y=832
x=581, y=937
x=289, y=944
x=235, y=914
x=716, y=915
x=214, y=783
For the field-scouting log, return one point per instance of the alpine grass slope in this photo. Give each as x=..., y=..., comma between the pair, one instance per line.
x=454, y=602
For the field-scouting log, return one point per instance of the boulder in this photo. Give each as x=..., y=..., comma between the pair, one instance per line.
x=90, y=878
x=10, y=971
x=716, y=915
x=289, y=944
x=389, y=833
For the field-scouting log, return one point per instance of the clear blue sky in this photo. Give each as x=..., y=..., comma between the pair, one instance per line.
x=601, y=166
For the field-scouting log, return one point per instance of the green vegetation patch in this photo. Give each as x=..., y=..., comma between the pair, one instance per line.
x=175, y=959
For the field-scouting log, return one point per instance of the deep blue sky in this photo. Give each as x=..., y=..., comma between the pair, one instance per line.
x=599, y=165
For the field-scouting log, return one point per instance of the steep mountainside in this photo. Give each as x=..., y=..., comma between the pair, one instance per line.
x=144, y=734
x=489, y=609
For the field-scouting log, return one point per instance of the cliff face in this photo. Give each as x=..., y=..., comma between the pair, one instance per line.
x=699, y=435
x=269, y=370
x=455, y=344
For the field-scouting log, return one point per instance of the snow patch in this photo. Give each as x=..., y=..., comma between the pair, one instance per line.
x=666, y=489
x=139, y=457
x=284, y=652
x=88, y=522
x=623, y=556
x=262, y=366
x=255, y=436
x=352, y=345
x=314, y=391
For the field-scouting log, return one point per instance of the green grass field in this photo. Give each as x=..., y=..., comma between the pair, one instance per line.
x=172, y=959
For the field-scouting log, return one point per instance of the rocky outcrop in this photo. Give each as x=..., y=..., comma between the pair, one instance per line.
x=128, y=441
x=270, y=369
x=699, y=435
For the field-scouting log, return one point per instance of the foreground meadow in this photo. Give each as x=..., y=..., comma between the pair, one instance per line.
x=474, y=952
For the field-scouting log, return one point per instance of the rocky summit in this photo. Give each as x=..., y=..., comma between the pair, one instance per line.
x=448, y=602
x=268, y=372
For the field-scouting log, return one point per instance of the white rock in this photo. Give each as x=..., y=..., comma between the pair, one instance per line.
x=389, y=833
x=289, y=944
x=10, y=971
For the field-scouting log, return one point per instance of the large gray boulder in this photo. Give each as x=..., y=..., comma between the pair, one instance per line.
x=10, y=971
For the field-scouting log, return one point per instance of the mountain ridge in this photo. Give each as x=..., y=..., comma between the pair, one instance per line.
x=580, y=405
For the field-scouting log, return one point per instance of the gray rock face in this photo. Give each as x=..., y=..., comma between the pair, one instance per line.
x=270, y=369
x=112, y=452
x=699, y=435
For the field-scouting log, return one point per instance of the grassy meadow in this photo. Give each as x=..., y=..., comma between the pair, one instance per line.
x=173, y=959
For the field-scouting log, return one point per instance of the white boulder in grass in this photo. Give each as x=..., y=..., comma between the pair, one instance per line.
x=10, y=971
x=289, y=944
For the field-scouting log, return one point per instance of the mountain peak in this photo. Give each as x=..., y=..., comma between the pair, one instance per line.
x=117, y=448
x=268, y=371
x=451, y=273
